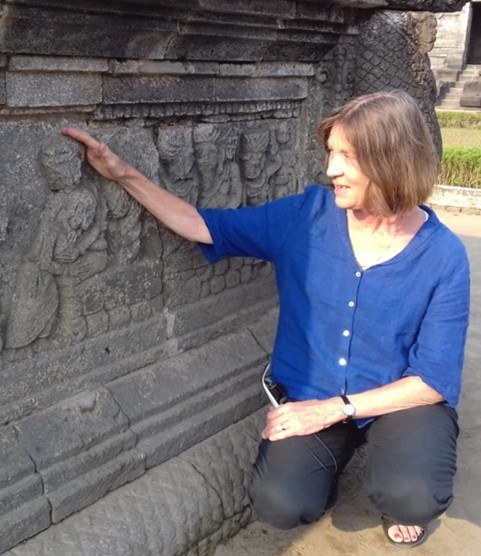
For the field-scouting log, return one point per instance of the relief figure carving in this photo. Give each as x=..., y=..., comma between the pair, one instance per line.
x=69, y=246
x=220, y=183
x=284, y=181
x=122, y=211
x=176, y=154
x=259, y=162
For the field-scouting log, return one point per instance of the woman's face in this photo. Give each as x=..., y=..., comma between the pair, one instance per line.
x=350, y=183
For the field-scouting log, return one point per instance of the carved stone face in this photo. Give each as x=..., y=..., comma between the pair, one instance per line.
x=252, y=163
x=176, y=153
x=254, y=145
x=180, y=167
x=282, y=133
x=206, y=158
x=61, y=161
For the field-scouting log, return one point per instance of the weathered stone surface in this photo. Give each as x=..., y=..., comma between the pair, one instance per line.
x=81, y=450
x=23, y=509
x=62, y=89
x=74, y=426
x=422, y=5
x=15, y=463
x=24, y=522
x=191, y=317
x=471, y=96
x=192, y=502
x=57, y=64
x=3, y=92
x=389, y=57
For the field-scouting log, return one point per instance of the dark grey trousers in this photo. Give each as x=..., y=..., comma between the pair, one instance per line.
x=409, y=473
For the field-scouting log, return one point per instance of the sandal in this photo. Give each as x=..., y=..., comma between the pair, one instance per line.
x=387, y=523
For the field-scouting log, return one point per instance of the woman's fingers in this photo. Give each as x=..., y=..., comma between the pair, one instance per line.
x=98, y=154
x=81, y=136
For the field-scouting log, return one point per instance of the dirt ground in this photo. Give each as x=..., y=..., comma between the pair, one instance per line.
x=353, y=527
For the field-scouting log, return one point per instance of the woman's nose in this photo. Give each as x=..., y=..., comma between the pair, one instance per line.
x=334, y=166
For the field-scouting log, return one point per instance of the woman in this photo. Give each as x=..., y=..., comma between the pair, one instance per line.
x=374, y=301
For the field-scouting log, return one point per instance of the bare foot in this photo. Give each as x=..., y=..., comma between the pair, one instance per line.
x=405, y=533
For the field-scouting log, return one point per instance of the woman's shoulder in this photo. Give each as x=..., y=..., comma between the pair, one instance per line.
x=443, y=240
x=317, y=198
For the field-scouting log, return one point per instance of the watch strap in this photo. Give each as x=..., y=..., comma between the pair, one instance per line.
x=347, y=401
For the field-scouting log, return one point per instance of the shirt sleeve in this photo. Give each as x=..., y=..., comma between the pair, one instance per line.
x=438, y=354
x=250, y=231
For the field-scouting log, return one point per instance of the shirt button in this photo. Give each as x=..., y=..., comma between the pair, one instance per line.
x=346, y=333
x=343, y=362
x=358, y=274
x=351, y=303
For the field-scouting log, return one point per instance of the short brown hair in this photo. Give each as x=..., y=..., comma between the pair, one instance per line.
x=393, y=146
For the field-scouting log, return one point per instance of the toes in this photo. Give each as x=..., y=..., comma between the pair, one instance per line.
x=395, y=533
x=403, y=533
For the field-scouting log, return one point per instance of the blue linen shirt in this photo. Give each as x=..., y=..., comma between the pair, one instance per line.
x=342, y=329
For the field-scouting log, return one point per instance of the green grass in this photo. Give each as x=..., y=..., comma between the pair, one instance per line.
x=461, y=162
x=461, y=137
x=461, y=166
x=470, y=120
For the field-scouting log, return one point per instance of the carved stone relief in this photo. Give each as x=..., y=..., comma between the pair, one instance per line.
x=68, y=247
x=235, y=164
x=215, y=148
x=176, y=153
x=88, y=231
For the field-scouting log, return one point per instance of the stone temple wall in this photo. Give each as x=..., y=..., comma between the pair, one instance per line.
x=120, y=347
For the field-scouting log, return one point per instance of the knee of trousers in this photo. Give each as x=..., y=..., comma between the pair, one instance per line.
x=283, y=508
x=410, y=502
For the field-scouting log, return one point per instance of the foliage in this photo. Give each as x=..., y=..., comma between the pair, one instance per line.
x=461, y=166
x=461, y=119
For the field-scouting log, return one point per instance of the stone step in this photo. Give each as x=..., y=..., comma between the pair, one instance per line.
x=449, y=105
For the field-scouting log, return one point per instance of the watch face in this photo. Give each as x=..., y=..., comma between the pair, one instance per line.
x=349, y=410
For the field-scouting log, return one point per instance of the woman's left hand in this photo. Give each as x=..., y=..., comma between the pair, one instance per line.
x=302, y=418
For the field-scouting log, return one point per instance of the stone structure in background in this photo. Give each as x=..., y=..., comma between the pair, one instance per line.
x=456, y=56
x=120, y=347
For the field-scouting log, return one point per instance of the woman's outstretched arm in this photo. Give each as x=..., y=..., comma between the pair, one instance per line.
x=176, y=214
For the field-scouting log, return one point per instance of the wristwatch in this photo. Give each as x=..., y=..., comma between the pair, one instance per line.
x=349, y=410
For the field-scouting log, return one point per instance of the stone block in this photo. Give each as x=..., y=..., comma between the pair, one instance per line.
x=212, y=310
x=274, y=8
x=166, y=88
x=52, y=89
x=23, y=509
x=188, y=505
x=57, y=64
x=71, y=427
x=153, y=67
x=205, y=413
x=471, y=96
x=76, y=32
x=264, y=329
x=24, y=522
x=82, y=449
x=236, y=89
x=3, y=89
x=160, y=386
x=89, y=488
x=15, y=463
